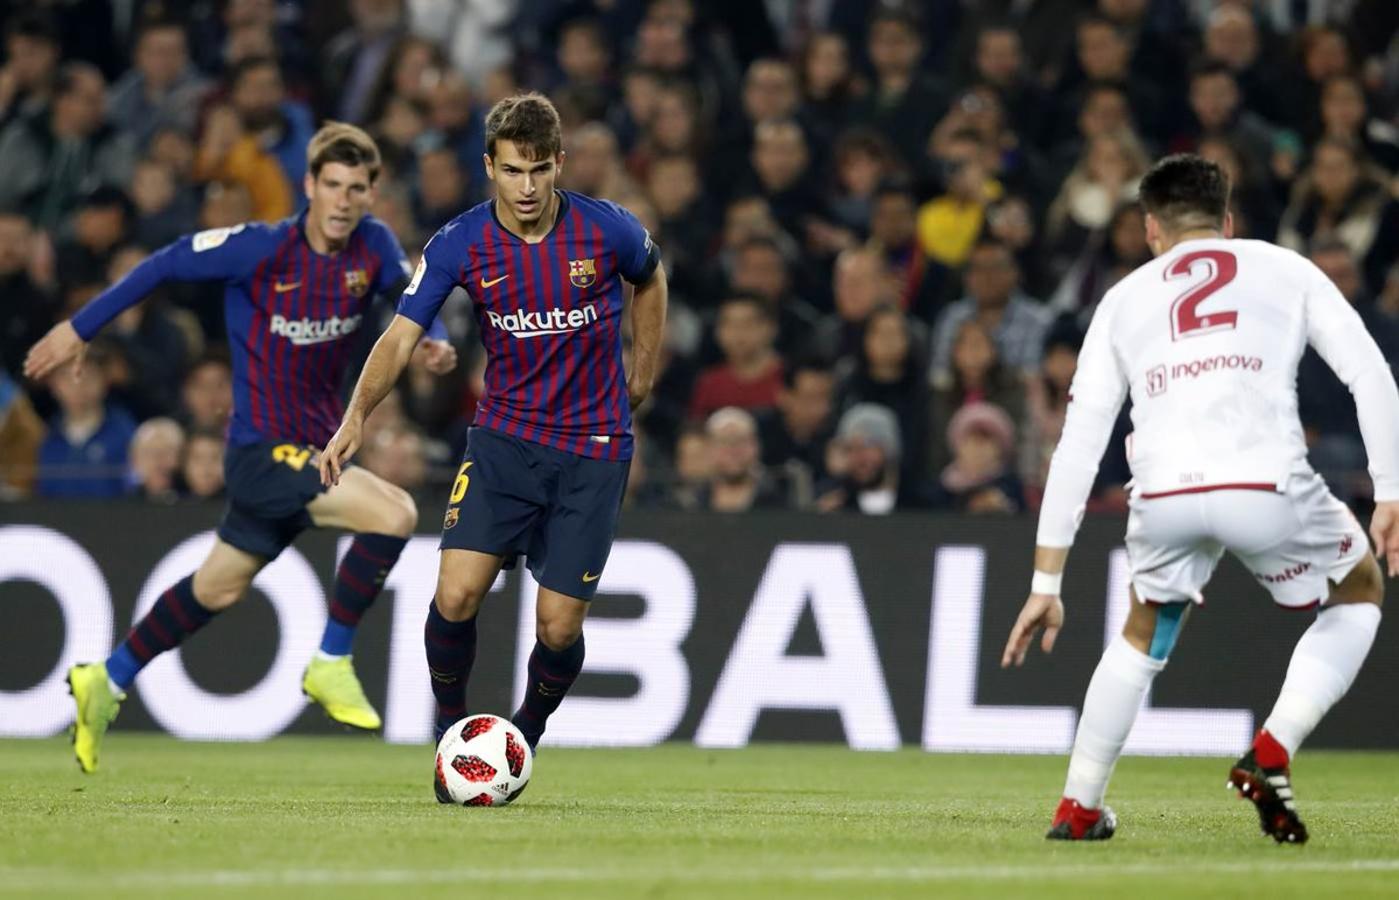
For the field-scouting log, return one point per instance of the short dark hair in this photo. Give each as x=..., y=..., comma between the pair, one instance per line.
x=740, y=298
x=805, y=363
x=340, y=142
x=36, y=26
x=1184, y=190
x=530, y=122
x=1208, y=68
x=239, y=70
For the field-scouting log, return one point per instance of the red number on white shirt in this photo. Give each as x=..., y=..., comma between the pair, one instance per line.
x=1222, y=266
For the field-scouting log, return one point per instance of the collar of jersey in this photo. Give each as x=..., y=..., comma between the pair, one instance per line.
x=558, y=220
x=299, y=223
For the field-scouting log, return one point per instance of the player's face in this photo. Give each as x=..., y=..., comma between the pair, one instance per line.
x=523, y=186
x=340, y=196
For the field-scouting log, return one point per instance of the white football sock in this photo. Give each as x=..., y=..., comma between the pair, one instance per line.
x=1114, y=698
x=1323, y=666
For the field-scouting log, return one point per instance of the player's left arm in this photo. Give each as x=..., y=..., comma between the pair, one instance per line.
x=648, y=310
x=1339, y=335
x=639, y=261
x=395, y=274
x=1095, y=397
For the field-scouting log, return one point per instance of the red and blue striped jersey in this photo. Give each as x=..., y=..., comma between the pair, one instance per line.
x=550, y=317
x=292, y=314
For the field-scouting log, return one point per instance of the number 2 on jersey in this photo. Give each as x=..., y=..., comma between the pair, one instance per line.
x=1222, y=266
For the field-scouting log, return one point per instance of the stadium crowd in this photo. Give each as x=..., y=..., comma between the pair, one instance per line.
x=886, y=224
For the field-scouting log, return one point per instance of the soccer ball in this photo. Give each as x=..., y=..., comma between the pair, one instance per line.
x=482, y=760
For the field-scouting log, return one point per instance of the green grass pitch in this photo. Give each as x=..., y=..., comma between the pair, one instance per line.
x=348, y=817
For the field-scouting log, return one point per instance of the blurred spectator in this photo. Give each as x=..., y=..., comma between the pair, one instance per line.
x=21, y=434
x=1104, y=109
x=737, y=480
x=1324, y=404
x=760, y=270
x=475, y=32
x=949, y=224
x=1011, y=221
x=1324, y=53
x=1104, y=52
x=29, y=308
x=354, y=60
x=781, y=162
x=863, y=462
x=1109, y=256
x=861, y=282
x=1232, y=39
x=84, y=454
x=994, y=299
x=674, y=187
x=281, y=126
x=206, y=396
x=230, y=155
x=101, y=222
x=155, y=454
x=397, y=455
x=830, y=82
x=1340, y=196
x=414, y=68
x=48, y=162
x=456, y=121
x=1047, y=402
x=201, y=470
x=751, y=374
x=1253, y=198
x=1345, y=114
x=894, y=232
x=1219, y=111
x=977, y=375
x=164, y=208
x=863, y=161
x=891, y=371
x=796, y=432
x=153, y=343
x=905, y=100
x=1104, y=179
x=693, y=467
x=32, y=54
x=1000, y=64
x=162, y=89
x=981, y=477
x=442, y=189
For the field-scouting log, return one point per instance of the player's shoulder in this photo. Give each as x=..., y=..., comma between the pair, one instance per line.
x=464, y=228
x=1268, y=253
x=605, y=212
x=250, y=238
x=375, y=231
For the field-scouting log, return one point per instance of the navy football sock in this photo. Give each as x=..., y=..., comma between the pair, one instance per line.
x=451, y=650
x=174, y=617
x=358, y=582
x=551, y=674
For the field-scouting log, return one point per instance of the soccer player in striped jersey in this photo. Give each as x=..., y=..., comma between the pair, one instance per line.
x=548, y=454
x=296, y=293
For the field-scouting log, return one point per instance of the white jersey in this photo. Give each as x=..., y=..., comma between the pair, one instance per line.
x=1207, y=338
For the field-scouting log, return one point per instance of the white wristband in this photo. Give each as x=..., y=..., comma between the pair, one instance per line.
x=1045, y=583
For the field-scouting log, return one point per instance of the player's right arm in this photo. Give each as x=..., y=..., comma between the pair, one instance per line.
x=1095, y=398
x=1339, y=335
x=218, y=253
x=417, y=309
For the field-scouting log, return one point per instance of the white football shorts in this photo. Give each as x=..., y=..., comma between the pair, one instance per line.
x=1293, y=541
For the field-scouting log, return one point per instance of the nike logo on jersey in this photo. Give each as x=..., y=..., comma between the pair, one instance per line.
x=589, y=578
x=281, y=288
x=493, y=282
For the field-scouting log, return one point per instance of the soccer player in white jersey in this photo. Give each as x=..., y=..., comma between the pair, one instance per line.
x=1207, y=337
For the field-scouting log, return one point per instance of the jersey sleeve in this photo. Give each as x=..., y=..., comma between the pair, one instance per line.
x=437, y=274
x=213, y=255
x=1339, y=335
x=1095, y=398
x=396, y=273
x=637, y=255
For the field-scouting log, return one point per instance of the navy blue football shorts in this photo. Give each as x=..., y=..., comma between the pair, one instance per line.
x=269, y=484
x=560, y=510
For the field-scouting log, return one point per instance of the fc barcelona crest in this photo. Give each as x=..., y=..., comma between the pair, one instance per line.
x=582, y=272
x=357, y=282
x=451, y=519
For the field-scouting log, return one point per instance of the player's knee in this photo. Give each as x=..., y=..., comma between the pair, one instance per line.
x=458, y=601
x=559, y=634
